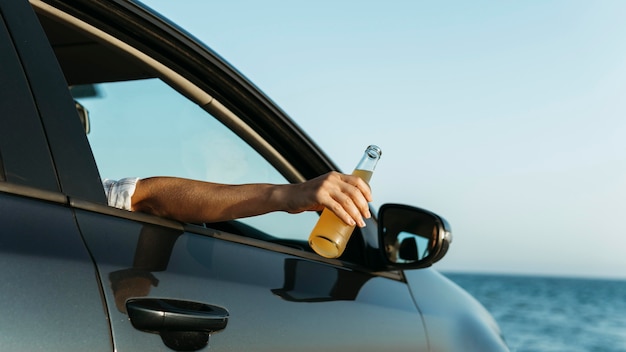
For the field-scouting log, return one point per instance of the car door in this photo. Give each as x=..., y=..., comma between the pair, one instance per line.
x=274, y=301
x=50, y=294
x=253, y=283
x=273, y=293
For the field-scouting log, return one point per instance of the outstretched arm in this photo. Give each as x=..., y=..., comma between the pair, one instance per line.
x=203, y=202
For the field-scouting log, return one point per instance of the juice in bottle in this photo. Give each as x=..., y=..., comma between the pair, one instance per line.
x=330, y=235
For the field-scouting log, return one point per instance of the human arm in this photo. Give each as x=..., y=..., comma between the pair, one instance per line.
x=204, y=202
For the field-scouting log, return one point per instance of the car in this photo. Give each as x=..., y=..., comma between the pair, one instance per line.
x=95, y=89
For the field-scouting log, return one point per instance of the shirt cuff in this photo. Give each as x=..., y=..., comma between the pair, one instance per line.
x=119, y=193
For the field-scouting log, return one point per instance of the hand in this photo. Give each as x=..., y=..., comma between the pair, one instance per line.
x=345, y=195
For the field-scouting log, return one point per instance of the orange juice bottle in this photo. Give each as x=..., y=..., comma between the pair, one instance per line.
x=330, y=235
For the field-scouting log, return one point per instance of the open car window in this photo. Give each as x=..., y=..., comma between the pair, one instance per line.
x=144, y=121
x=142, y=128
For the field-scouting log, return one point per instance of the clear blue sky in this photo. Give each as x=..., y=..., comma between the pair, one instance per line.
x=505, y=117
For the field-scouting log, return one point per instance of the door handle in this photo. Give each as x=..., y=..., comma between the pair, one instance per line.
x=182, y=325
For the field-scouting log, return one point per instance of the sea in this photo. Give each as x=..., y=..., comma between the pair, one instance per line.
x=550, y=314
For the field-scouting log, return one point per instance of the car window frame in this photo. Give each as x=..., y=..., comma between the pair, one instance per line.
x=67, y=143
x=25, y=159
x=302, y=158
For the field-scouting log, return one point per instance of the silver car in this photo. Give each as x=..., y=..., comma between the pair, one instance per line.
x=95, y=89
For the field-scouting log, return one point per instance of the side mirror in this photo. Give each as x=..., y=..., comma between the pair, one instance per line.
x=411, y=237
x=84, y=91
x=83, y=114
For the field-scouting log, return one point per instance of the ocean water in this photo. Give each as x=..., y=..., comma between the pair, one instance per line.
x=549, y=314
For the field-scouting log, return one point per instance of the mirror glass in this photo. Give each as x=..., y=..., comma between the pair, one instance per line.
x=411, y=235
x=83, y=114
x=84, y=91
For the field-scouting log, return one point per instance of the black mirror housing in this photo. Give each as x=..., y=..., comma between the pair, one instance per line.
x=410, y=237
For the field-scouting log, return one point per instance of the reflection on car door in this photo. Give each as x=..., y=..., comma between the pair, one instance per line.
x=275, y=301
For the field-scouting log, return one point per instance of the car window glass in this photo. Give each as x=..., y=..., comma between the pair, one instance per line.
x=145, y=128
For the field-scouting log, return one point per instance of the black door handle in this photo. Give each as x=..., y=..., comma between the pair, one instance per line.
x=183, y=325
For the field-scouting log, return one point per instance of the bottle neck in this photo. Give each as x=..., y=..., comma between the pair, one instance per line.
x=367, y=164
x=370, y=159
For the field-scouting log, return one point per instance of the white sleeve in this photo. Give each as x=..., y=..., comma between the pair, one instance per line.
x=120, y=192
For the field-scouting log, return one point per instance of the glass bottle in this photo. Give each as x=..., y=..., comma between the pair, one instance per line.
x=330, y=235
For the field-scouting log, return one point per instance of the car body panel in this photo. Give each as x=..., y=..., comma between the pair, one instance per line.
x=454, y=320
x=277, y=302
x=50, y=298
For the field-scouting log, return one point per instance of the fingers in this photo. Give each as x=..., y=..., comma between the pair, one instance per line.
x=347, y=196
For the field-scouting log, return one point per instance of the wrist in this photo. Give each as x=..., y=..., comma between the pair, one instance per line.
x=279, y=198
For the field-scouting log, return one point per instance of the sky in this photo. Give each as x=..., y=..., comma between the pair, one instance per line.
x=504, y=117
